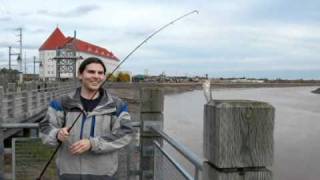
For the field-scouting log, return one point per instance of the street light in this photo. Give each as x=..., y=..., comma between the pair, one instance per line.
x=19, y=58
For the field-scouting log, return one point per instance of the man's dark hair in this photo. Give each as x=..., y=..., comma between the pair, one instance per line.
x=91, y=60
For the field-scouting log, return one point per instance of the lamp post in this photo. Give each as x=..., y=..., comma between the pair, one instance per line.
x=13, y=54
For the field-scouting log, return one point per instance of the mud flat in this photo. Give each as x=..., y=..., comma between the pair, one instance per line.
x=316, y=91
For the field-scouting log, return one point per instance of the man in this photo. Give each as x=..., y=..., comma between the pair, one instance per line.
x=89, y=149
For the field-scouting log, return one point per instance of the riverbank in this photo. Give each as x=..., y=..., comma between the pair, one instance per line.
x=174, y=88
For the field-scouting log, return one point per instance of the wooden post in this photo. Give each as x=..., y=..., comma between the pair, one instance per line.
x=151, y=109
x=1, y=137
x=238, y=140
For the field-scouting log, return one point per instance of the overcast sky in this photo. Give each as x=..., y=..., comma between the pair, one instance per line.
x=243, y=38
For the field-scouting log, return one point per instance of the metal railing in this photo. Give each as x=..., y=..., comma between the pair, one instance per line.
x=166, y=166
x=8, y=126
x=168, y=160
x=27, y=161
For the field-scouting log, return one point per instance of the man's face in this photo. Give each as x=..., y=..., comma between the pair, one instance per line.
x=92, y=76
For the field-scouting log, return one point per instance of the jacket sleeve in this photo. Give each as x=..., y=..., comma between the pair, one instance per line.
x=120, y=135
x=50, y=125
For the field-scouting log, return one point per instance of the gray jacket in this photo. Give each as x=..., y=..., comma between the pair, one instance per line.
x=107, y=127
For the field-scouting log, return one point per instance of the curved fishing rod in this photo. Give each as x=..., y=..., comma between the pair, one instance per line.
x=131, y=52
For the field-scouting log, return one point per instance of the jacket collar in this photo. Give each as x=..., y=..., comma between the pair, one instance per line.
x=72, y=101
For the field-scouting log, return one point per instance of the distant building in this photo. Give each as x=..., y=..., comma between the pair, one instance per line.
x=61, y=56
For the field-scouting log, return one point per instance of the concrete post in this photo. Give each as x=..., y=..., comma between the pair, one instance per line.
x=11, y=87
x=151, y=109
x=39, y=96
x=11, y=101
x=26, y=98
x=27, y=94
x=42, y=94
x=54, y=90
x=35, y=98
x=48, y=92
x=28, y=89
x=238, y=140
x=1, y=136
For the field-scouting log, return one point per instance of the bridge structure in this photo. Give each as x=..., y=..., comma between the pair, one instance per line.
x=238, y=136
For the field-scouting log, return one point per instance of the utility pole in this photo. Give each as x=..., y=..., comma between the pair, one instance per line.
x=34, y=67
x=9, y=57
x=34, y=64
x=25, y=62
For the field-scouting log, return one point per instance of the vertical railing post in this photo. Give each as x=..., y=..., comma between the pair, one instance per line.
x=1, y=136
x=151, y=109
x=238, y=140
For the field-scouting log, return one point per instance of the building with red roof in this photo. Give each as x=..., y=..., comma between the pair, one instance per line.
x=61, y=56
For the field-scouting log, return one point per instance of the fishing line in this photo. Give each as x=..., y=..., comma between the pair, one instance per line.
x=122, y=61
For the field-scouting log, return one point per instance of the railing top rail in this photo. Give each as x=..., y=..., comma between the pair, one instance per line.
x=36, y=125
x=191, y=156
x=19, y=125
x=176, y=164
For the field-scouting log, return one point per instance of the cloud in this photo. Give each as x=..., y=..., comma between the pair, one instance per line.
x=31, y=46
x=226, y=37
x=39, y=30
x=4, y=44
x=76, y=12
x=5, y=19
x=24, y=14
x=286, y=11
x=1, y=55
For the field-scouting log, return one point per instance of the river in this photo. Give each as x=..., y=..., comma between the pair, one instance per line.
x=296, y=132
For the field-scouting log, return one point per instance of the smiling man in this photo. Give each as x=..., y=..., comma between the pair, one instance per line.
x=89, y=149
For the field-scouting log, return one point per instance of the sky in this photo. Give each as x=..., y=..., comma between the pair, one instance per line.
x=244, y=38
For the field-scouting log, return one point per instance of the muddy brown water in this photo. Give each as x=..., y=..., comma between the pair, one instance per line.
x=296, y=133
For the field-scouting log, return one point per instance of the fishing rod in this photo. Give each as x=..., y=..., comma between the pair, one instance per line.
x=122, y=61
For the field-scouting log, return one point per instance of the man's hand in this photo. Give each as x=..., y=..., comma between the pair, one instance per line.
x=80, y=147
x=63, y=134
